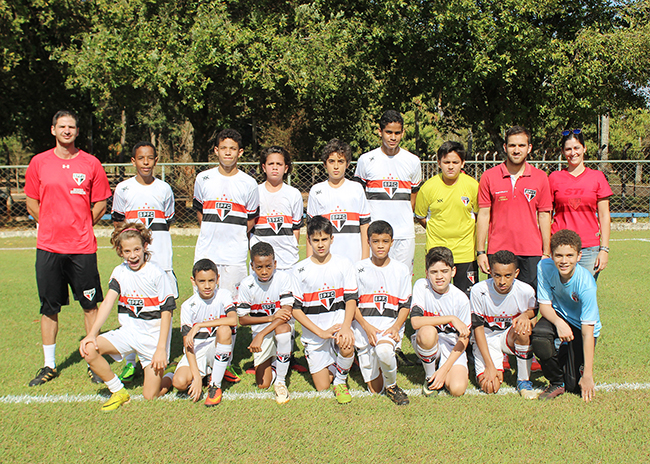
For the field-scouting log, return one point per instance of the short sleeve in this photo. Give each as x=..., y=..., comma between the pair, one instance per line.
x=312, y=206
x=186, y=317
x=418, y=299
x=474, y=196
x=165, y=292
x=197, y=201
x=544, y=292
x=484, y=196
x=364, y=207
x=350, y=289
x=169, y=204
x=545, y=202
x=359, y=172
x=32, y=180
x=604, y=190
x=119, y=205
x=416, y=175
x=253, y=202
x=589, y=314
x=297, y=211
x=101, y=189
x=243, y=300
x=422, y=200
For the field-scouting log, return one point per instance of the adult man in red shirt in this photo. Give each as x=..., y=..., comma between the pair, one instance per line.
x=515, y=206
x=66, y=192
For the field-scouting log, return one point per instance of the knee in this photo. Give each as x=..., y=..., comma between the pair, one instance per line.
x=282, y=336
x=427, y=337
x=385, y=352
x=543, y=347
x=282, y=329
x=181, y=382
x=457, y=387
x=224, y=334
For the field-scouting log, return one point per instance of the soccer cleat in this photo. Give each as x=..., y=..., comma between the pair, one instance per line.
x=397, y=395
x=231, y=376
x=94, y=378
x=45, y=374
x=535, y=367
x=402, y=359
x=214, y=396
x=116, y=400
x=281, y=393
x=250, y=370
x=128, y=373
x=428, y=392
x=342, y=394
x=296, y=366
x=526, y=390
x=552, y=391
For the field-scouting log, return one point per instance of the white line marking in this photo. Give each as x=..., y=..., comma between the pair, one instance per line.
x=267, y=396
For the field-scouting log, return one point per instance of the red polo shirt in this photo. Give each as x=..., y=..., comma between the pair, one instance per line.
x=513, y=212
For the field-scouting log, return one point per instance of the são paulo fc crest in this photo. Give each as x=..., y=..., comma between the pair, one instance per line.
x=574, y=297
x=465, y=200
x=136, y=305
x=79, y=177
x=89, y=294
x=338, y=220
x=268, y=308
x=223, y=208
x=575, y=202
x=471, y=276
x=380, y=301
x=327, y=298
x=390, y=186
x=146, y=217
x=276, y=223
x=530, y=194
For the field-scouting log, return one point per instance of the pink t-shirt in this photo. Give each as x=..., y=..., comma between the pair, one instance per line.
x=65, y=189
x=513, y=213
x=575, y=199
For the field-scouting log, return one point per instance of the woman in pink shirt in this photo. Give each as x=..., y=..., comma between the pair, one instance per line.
x=581, y=202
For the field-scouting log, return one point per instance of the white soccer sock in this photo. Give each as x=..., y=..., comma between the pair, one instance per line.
x=221, y=359
x=283, y=356
x=524, y=355
x=115, y=384
x=130, y=359
x=428, y=358
x=49, y=355
x=232, y=347
x=386, y=354
x=342, y=367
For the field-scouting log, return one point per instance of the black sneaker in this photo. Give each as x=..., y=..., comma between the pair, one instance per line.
x=397, y=395
x=552, y=391
x=45, y=374
x=94, y=378
x=402, y=359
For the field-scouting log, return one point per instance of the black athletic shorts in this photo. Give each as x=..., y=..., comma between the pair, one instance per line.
x=55, y=271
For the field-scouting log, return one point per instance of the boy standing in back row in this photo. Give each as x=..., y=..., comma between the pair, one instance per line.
x=391, y=177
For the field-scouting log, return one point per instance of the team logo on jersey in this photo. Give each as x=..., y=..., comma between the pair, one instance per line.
x=327, y=298
x=574, y=297
x=89, y=294
x=502, y=321
x=276, y=223
x=268, y=308
x=136, y=305
x=530, y=194
x=79, y=177
x=380, y=301
x=338, y=220
x=146, y=217
x=575, y=202
x=390, y=186
x=465, y=200
x=223, y=208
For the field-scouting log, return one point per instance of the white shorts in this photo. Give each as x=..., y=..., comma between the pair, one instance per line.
x=497, y=341
x=366, y=354
x=127, y=341
x=403, y=250
x=230, y=276
x=204, y=353
x=269, y=347
x=321, y=355
x=446, y=343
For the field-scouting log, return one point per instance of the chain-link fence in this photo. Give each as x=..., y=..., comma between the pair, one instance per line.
x=630, y=182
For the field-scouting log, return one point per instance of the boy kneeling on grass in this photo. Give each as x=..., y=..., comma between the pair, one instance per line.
x=565, y=337
x=384, y=304
x=265, y=302
x=441, y=318
x=503, y=315
x=325, y=292
x=207, y=319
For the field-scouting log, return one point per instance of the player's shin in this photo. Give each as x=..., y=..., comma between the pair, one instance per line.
x=388, y=363
x=342, y=367
x=524, y=354
x=283, y=342
x=222, y=356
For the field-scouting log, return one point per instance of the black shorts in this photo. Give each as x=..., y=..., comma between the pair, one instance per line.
x=466, y=276
x=55, y=271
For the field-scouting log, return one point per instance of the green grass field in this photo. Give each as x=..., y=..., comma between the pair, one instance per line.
x=61, y=422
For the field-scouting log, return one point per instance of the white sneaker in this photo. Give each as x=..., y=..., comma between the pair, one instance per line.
x=281, y=393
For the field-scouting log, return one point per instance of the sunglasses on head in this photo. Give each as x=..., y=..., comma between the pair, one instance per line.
x=573, y=131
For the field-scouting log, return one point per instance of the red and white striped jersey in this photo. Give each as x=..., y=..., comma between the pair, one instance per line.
x=496, y=311
x=280, y=214
x=383, y=291
x=427, y=302
x=321, y=291
x=227, y=202
x=347, y=209
x=389, y=182
x=153, y=205
x=261, y=299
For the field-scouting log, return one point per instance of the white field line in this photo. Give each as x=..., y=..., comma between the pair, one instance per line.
x=417, y=244
x=267, y=396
